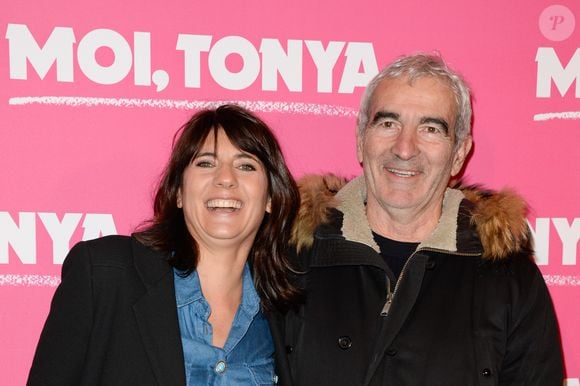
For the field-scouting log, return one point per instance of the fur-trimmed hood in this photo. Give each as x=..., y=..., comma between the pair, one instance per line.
x=499, y=217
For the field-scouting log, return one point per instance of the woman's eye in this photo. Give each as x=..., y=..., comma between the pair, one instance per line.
x=204, y=164
x=247, y=167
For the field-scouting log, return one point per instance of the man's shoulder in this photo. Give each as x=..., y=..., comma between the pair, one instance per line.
x=516, y=273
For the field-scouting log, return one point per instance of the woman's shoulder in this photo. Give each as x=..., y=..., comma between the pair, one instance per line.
x=108, y=250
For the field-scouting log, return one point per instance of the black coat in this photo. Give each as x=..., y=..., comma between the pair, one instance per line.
x=457, y=317
x=113, y=320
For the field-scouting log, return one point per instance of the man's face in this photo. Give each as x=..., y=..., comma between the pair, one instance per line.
x=407, y=150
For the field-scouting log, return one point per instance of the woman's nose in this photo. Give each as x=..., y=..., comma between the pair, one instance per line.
x=225, y=177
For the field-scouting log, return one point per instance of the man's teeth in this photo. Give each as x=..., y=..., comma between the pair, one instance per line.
x=403, y=173
x=229, y=204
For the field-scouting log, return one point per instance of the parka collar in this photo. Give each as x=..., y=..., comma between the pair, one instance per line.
x=473, y=218
x=351, y=202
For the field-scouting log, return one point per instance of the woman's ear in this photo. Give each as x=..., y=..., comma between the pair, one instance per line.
x=179, y=200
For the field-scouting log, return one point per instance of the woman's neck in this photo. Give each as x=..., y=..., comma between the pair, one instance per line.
x=221, y=280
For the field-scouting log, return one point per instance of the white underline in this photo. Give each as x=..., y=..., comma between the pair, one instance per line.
x=261, y=106
x=53, y=281
x=562, y=280
x=561, y=115
x=29, y=280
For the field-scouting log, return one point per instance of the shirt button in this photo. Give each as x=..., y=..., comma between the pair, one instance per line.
x=344, y=342
x=220, y=367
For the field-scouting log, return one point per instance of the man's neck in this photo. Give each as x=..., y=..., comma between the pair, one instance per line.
x=403, y=224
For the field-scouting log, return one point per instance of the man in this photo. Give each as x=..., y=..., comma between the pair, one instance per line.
x=406, y=281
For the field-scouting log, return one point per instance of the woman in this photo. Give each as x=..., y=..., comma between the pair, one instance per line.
x=183, y=301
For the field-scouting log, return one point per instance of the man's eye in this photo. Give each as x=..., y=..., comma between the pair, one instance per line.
x=433, y=130
x=384, y=124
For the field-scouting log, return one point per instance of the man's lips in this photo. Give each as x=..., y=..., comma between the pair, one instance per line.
x=403, y=173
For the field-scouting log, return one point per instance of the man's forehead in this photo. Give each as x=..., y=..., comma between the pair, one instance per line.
x=422, y=99
x=421, y=81
x=399, y=89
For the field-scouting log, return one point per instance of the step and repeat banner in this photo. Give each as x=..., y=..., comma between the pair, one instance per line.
x=91, y=93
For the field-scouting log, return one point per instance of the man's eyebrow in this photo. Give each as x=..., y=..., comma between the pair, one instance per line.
x=439, y=121
x=379, y=115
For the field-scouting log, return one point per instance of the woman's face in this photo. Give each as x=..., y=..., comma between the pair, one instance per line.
x=224, y=195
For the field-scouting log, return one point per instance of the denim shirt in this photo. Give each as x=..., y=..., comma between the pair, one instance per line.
x=247, y=357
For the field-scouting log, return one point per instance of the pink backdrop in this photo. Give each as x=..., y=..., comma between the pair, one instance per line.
x=92, y=92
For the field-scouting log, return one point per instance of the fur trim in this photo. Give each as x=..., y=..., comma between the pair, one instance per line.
x=500, y=217
x=316, y=196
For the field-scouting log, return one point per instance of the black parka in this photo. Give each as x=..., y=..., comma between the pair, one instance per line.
x=460, y=314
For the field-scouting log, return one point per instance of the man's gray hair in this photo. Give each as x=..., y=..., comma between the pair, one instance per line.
x=416, y=66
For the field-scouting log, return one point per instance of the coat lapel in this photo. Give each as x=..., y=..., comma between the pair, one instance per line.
x=156, y=314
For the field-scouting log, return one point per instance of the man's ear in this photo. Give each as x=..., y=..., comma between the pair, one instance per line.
x=460, y=155
x=359, y=147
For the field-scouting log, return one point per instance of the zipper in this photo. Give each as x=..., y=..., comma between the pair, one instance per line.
x=391, y=294
x=387, y=306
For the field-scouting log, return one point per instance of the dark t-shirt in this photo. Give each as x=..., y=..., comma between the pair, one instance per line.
x=395, y=253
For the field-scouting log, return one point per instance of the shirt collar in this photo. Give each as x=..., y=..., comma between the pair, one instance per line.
x=250, y=298
x=188, y=290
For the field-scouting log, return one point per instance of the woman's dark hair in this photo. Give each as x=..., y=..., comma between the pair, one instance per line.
x=167, y=233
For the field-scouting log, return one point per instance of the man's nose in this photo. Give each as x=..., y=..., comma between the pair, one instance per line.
x=405, y=146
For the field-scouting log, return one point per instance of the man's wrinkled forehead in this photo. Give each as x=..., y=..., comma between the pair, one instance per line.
x=411, y=81
x=385, y=87
x=385, y=84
